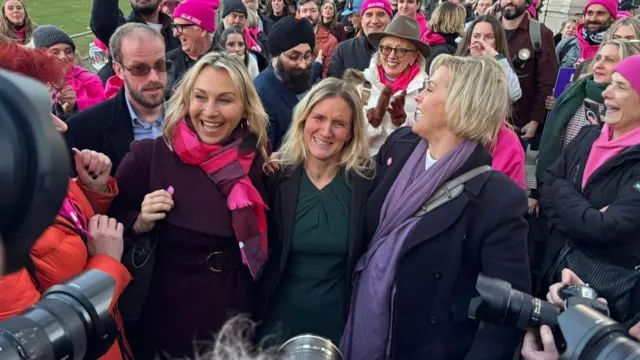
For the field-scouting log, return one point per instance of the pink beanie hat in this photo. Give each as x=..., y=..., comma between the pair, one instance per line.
x=372, y=4
x=610, y=5
x=629, y=68
x=199, y=12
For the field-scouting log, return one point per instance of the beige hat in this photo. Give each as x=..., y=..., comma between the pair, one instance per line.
x=402, y=27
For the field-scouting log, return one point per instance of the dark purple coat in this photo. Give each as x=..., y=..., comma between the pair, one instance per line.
x=187, y=303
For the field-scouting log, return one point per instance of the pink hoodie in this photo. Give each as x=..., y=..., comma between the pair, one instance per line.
x=508, y=156
x=88, y=87
x=604, y=149
x=424, y=27
x=586, y=51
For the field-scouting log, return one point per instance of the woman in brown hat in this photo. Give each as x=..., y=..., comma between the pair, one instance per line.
x=396, y=75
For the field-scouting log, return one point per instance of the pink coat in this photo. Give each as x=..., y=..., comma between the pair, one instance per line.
x=508, y=156
x=88, y=87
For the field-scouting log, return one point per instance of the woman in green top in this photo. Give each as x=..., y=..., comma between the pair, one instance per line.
x=569, y=114
x=315, y=221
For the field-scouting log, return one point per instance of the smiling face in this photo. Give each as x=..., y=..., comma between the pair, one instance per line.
x=431, y=102
x=408, y=7
x=64, y=52
x=597, y=18
x=569, y=29
x=374, y=20
x=395, y=62
x=327, y=129
x=623, y=105
x=215, y=106
x=604, y=62
x=14, y=12
x=624, y=32
x=278, y=7
x=188, y=33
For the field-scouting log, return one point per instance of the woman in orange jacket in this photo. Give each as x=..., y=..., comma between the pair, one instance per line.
x=78, y=239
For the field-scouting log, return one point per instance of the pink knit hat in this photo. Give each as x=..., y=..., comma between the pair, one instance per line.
x=372, y=4
x=199, y=12
x=610, y=5
x=629, y=68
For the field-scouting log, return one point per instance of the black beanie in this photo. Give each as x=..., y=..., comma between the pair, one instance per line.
x=231, y=6
x=290, y=32
x=46, y=36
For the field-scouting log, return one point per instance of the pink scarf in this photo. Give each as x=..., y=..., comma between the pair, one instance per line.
x=604, y=149
x=20, y=34
x=228, y=167
x=251, y=36
x=402, y=82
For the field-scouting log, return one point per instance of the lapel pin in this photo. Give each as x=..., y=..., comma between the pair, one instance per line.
x=389, y=161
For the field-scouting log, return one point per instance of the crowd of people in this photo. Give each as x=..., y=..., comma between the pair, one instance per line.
x=345, y=168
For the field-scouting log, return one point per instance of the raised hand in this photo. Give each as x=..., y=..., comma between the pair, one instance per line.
x=93, y=168
x=105, y=237
x=396, y=110
x=155, y=206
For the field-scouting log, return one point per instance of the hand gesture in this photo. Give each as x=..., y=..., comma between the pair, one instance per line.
x=375, y=115
x=320, y=57
x=531, y=350
x=529, y=131
x=93, y=168
x=480, y=47
x=67, y=99
x=396, y=110
x=105, y=237
x=154, y=207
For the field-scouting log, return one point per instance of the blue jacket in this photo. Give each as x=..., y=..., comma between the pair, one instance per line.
x=278, y=101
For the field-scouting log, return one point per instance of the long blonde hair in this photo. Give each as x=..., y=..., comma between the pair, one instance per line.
x=626, y=48
x=474, y=113
x=256, y=117
x=6, y=28
x=354, y=156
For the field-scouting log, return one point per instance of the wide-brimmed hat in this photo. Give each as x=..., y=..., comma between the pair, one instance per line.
x=402, y=27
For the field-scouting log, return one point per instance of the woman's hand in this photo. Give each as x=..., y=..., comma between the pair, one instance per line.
x=534, y=208
x=67, y=99
x=272, y=165
x=154, y=207
x=93, y=169
x=105, y=237
x=482, y=48
x=549, y=102
x=396, y=110
x=375, y=115
x=531, y=350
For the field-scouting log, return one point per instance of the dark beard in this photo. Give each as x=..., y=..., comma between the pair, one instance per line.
x=603, y=26
x=511, y=14
x=145, y=10
x=140, y=99
x=298, y=81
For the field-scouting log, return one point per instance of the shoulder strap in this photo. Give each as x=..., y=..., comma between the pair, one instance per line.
x=31, y=269
x=535, y=33
x=450, y=190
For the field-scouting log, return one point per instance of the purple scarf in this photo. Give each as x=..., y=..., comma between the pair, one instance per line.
x=366, y=336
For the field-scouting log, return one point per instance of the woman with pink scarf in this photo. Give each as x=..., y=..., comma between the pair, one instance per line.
x=79, y=89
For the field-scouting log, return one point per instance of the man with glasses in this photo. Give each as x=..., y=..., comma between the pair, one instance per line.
x=137, y=111
x=194, y=22
x=310, y=10
x=288, y=79
x=356, y=53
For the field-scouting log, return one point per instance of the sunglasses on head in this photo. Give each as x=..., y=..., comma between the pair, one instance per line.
x=145, y=69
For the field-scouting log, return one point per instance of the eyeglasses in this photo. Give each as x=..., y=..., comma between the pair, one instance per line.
x=295, y=57
x=179, y=28
x=145, y=69
x=400, y=52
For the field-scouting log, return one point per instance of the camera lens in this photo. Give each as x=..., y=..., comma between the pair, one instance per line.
x=499, y=303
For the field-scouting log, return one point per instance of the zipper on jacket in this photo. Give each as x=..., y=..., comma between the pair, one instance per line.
x=574, y=178
x=391, y=317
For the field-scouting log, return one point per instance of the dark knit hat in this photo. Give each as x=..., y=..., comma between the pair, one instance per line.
x=290, y=32
x=46, y=36
x=233, y=6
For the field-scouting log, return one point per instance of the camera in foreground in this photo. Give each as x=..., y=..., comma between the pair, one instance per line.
x=582, y=332
x=71, y=321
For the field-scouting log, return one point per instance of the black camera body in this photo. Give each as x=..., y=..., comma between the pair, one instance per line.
x=582, y=332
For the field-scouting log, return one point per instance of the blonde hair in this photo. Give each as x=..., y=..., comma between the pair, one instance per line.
x=178, y=108
x=252, y=19
x=448, y=18
x=6, y=28
x=474, y=113
x=420, y=59
x=627, y=21
x=626, y=48
x=354, y=156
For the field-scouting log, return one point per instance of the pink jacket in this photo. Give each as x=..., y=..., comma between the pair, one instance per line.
x=114, y=84
x=425, y=32
x=88, y=87
x=508, y=156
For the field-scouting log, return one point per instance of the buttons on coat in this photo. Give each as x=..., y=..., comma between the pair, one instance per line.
x=437, y=275
x=432, y=320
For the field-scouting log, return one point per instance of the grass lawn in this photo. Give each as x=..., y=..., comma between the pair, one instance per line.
x=71, y=16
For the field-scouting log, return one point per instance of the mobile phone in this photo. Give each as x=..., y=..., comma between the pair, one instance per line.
x=594, y=110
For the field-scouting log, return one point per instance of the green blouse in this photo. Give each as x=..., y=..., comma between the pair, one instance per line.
x=310, y=296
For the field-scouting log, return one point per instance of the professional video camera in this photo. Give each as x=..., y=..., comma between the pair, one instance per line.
x=71, y=321
x=582, y=332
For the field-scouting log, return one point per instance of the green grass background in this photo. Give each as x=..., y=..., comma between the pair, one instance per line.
x=71, y=16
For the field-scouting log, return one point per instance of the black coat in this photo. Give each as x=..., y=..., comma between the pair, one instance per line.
x=482, y=230
x=181, y=62
x=449, y=47
x=105, y=127
x=351, y=54
x=282, y=190
x=613, y=235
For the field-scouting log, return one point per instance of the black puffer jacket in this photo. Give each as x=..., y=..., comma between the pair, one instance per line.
x=449, y=47
x=351, y=54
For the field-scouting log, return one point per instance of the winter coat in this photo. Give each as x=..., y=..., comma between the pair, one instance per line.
x=568, y=51
x=351, y=54
x=508, y=155
x=449, y=46
x=60, y=254
x=327, y=43
x=88, y=87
